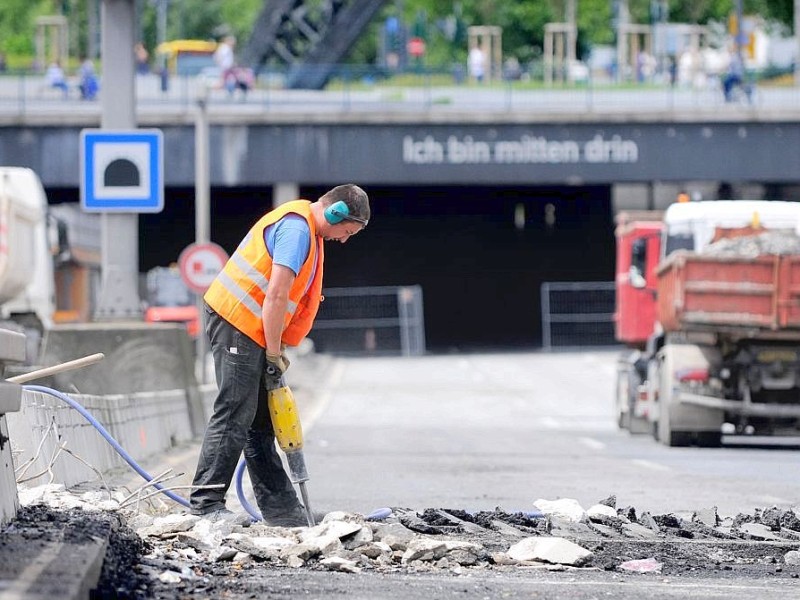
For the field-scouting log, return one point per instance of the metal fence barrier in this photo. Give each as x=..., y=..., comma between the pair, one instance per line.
x=385, y=320
x=577, y=314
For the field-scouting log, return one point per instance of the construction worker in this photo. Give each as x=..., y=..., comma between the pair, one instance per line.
x=265, y=298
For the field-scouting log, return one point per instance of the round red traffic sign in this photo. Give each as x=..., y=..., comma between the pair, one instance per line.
x=200, y=264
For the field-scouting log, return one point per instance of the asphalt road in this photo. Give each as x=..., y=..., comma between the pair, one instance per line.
x=476, y=432
x=479, y=431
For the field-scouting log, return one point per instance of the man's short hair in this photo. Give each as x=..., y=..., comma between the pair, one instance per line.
x=356, y=199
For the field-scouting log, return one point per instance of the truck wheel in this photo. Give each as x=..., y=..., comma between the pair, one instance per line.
x=666, y=434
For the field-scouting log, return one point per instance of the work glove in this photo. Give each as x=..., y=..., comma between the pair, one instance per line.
x=276, y=365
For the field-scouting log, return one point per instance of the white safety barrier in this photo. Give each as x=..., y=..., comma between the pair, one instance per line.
x=143, y=423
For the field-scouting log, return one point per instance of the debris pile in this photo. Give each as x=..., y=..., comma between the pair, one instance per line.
x=190, y=552
x=777, y=241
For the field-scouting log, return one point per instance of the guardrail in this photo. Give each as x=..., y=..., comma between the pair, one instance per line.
x=358, y=89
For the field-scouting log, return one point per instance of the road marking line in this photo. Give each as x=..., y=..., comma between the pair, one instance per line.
x=649, y=464
x=315, y=409
x=592, y=443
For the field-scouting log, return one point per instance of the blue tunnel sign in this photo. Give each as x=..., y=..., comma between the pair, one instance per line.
x=122, y=171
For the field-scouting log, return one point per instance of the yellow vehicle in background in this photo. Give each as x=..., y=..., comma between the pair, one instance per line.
x=186, y=57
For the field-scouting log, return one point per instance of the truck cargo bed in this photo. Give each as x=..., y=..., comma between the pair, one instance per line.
x=699, y=291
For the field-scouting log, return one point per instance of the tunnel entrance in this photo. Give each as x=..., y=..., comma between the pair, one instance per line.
x=480, y=254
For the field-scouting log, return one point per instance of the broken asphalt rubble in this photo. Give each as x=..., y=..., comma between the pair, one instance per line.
x=182, y=548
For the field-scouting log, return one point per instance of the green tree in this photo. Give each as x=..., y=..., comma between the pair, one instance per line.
x=17, y=25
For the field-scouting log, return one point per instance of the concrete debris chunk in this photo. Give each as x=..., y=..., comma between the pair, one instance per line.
x=565, y=509
x=170, y=524
x=758, y=531
x=337, y=563
x=634, y=530
x=429, y=549
x=326, y=544
x=38, y=494
x=610, y=501
x=424, y=549
x=222, y=553
x=397, y=536
x=359, y=538
x=707, y=517
x=330, y=529
x=299, y=551
x=598, y=511
x=790, y=520
x=294, y=561
x=340, y=515
x=374, y=549
x=260, y=547
x=462, y=557
x=643, y=565
x=170, y=577
x=549, y=549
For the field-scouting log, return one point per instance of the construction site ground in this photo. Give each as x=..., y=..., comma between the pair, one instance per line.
x=458, y=447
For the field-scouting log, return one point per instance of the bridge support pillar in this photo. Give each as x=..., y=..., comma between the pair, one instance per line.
x=119, y=296
x=285, y=192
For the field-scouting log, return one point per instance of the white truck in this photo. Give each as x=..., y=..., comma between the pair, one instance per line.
x=27, y=284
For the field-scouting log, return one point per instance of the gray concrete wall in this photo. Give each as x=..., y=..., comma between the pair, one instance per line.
x=9, y=503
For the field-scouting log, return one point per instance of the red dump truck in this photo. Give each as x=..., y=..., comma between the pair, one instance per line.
x=717, y=284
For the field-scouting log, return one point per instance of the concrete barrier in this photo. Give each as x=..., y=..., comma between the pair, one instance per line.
x=139, y=357
x=12, y=349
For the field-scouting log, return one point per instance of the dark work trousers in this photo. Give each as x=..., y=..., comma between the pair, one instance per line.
x=240, y=422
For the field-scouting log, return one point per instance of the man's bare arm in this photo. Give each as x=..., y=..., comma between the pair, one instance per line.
x=274, y=307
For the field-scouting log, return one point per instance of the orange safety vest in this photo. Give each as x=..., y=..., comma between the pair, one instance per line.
x=237, y=293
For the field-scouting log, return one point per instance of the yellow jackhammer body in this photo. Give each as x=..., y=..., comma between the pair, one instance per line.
x=289, y=433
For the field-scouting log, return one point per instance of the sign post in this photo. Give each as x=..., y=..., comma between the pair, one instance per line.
x=199, y=264
x=119, y=294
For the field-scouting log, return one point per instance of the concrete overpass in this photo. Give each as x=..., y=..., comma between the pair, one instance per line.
x=630, y=140
x=478, y=195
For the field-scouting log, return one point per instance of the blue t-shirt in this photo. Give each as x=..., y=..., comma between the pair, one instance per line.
x=288, y=241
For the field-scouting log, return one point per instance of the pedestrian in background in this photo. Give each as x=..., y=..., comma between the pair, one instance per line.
x=476, y=64
x=225, y=59
x=87, y=79
x=265, y=298
x=142, y=57
x=56, y=79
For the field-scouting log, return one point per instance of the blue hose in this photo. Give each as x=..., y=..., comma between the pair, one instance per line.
x=251, y=510
x=114, y=444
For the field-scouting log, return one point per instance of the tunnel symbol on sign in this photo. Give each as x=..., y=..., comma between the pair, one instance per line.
x=122, y=170
x=121, y=173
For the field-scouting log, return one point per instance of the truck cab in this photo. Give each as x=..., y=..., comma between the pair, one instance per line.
x=27, y=288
